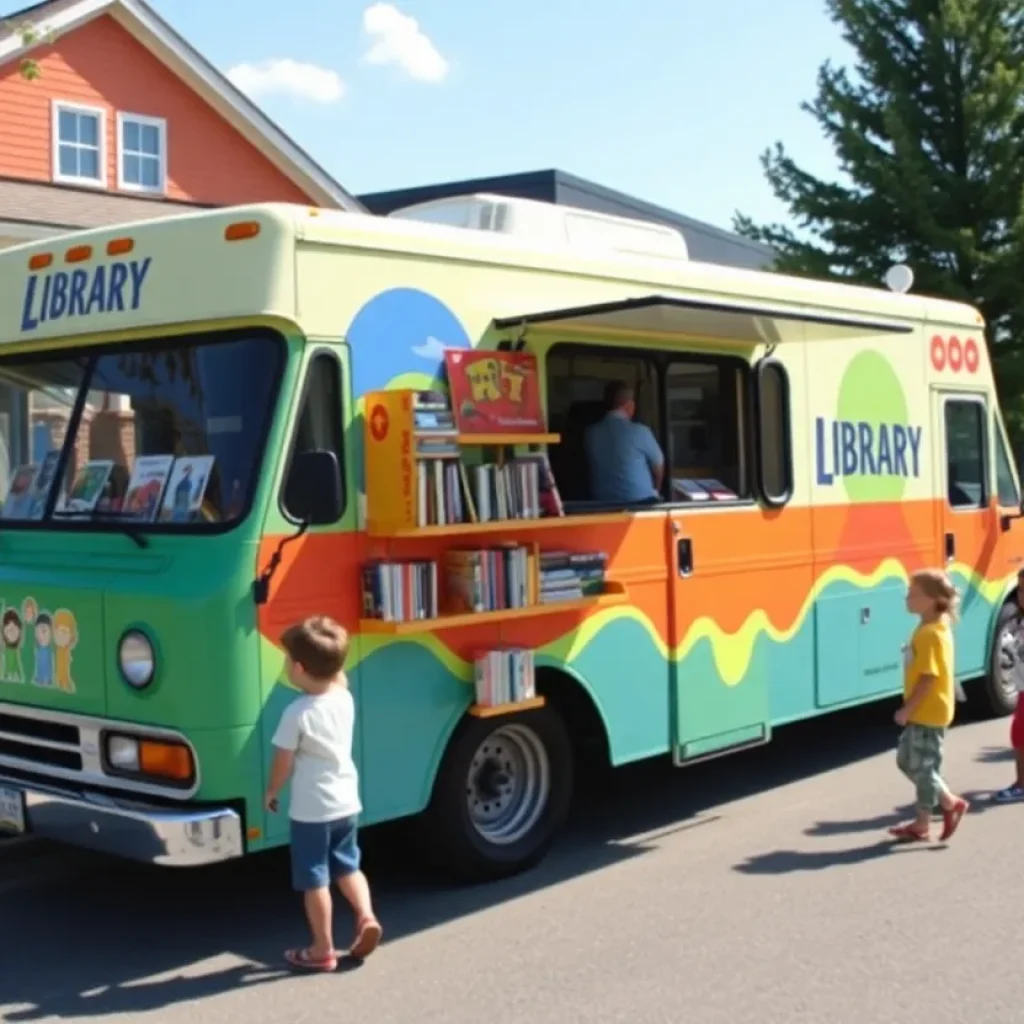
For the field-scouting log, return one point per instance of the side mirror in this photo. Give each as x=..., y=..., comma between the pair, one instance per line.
x=313, y=491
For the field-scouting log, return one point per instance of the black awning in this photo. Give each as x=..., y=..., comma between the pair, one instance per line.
x=659, y=315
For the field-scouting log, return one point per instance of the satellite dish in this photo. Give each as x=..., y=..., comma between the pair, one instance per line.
x=899, y=278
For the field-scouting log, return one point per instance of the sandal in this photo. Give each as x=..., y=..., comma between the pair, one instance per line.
x=368, y=937
x=910, y=834
x=304, y=960
x=951, y=819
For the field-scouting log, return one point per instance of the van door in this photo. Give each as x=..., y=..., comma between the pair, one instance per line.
x=968, y=523
x=721, y=554
x=318, y=571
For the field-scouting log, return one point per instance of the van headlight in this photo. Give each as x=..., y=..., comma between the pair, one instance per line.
x=136, y=659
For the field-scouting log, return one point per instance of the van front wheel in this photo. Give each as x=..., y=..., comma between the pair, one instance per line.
x=502, y=793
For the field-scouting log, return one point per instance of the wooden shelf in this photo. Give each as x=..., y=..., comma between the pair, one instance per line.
x=492, y=711
x=614, y=594
x=508, y=439
x=500, y=526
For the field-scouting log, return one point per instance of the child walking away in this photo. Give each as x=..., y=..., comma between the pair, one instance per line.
x=1016, y=792
x=313, y=748
x=928, y=703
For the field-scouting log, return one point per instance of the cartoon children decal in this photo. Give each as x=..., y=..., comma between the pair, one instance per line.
x=54, y=635
x=44, y=650
x=11, y=632
x=65, y=636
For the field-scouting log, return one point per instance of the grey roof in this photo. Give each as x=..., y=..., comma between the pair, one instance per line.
x=66, y=207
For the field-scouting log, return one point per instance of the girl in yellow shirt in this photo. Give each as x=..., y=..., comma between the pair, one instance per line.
x=928, y=703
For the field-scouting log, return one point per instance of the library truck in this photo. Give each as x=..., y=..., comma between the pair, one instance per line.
x=218, y=423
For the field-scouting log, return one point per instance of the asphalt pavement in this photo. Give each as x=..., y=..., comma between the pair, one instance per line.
x=757, y=888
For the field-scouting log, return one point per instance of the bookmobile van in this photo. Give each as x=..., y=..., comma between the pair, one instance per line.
x=222, y=422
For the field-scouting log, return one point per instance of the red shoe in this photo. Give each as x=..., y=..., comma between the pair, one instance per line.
x=951, y=819
x=910, y=834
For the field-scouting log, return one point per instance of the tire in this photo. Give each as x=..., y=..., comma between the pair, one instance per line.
x=480, y=827
x=996, y=694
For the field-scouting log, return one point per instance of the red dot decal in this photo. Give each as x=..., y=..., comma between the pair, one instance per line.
x=971, y=355
x=938, y=353
x=379, y=423
x=956, y=354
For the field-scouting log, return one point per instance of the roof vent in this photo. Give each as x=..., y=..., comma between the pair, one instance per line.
x=548, y=224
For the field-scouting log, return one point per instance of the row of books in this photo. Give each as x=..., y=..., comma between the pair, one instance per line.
x=571, y=575
x=448, y=492
x=489, y=579
x=400, y=591
x=504, y=676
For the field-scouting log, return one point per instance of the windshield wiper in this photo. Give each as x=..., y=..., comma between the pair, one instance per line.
x=125, y=519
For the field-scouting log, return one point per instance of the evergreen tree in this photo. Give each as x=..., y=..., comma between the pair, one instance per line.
x=928, y=128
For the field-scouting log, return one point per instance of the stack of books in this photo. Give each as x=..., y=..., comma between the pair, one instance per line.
x=489, y=579
x=504, y=676
x=434, y=426
x=571, y=575
x=400, y=591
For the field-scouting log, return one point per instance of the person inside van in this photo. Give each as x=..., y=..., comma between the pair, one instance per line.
x=626, y=463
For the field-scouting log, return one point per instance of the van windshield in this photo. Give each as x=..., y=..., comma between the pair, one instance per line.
x=167, y=432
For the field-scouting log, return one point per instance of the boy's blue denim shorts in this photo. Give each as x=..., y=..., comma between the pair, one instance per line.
x=323, y=851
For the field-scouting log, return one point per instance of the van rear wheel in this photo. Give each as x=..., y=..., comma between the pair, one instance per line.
x=501, y=794
x=997, y=692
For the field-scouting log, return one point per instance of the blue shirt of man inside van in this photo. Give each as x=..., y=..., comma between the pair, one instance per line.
x=625, y=461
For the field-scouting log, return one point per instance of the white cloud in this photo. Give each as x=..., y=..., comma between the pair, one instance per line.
x=287, y=77
x=430, y=349
x=398, y=40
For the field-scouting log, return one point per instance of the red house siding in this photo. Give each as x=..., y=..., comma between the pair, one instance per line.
x=102, y=65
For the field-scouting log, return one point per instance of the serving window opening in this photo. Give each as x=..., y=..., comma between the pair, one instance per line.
x=697, y=407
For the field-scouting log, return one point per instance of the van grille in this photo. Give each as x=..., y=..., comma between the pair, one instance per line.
x=40, y=741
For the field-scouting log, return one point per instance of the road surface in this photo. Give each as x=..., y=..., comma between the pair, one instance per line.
x=759, y=888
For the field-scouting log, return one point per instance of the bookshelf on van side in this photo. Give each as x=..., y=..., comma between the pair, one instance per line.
x=424, y=477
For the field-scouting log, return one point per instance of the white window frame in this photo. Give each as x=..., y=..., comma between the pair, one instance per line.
x=78, y=108
x=143, y=120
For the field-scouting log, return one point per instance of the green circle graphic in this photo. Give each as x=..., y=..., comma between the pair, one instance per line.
x=870, y=392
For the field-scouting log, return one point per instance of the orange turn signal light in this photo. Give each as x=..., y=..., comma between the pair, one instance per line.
x=120, y=246
x=40, y=261
x=165, y=760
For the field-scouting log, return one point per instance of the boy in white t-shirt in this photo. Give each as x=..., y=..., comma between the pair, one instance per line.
x=313, y=748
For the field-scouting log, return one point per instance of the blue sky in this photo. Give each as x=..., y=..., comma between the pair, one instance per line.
x=671, y=100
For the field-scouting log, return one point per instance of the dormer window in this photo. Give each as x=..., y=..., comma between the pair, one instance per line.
x=79, y=145
x=142, y=153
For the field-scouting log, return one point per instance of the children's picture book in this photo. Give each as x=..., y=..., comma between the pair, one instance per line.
x=40, y=488
x=689, y=490
x=146, y=486
x=88, y=486
x=183, y=498
x=19, y=497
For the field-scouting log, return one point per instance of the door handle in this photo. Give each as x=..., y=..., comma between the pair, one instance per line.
x=950, y=547
x=684, y=556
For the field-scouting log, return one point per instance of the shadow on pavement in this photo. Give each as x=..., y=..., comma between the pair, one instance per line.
x=996, y=755
x=785, y=862
x=878, y=823
x=129, y=938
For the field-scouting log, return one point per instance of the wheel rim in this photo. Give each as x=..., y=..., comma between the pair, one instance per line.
x=508, y=784
x=1006, y=663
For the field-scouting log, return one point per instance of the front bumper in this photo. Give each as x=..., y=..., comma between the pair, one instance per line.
x=127, y=828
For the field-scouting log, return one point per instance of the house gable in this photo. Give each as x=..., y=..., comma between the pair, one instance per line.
x=65, y=19
x=101, y=68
